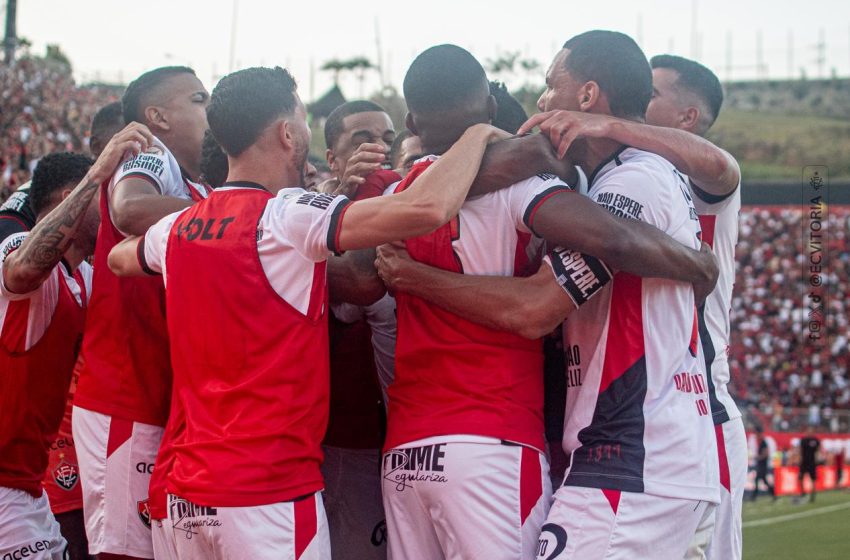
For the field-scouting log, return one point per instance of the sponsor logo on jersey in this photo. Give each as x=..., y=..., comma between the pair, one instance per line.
x=316, y=200
x=572, y=359
x=620, y=205
x=16, y=202
x=415, y=464
x=66, y=476
x=144, y=468
x=144, y=512
x=188, y=517
x=149, y=163
x=29, y=550
x=13, y=244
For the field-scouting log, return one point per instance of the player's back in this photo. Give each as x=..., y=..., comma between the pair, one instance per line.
x=637, y=409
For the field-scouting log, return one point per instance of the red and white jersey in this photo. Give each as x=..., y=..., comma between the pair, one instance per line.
x=453, y=377
x=40, y=334
x=251, y=376
x=127, y=372
x=718, y=216
x=637, y=412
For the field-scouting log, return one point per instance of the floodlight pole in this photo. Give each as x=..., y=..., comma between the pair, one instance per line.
x=11, y=40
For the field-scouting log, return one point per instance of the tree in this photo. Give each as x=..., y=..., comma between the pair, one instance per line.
x=336, y=66
x=55, y=53
x=360, y=64
x=509, y=64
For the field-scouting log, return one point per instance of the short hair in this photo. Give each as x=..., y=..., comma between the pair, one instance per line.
x=442, y=78
x=695, y=78
x=615, y=62
x=106, y=122
x=53, y=173
x=509, y=113
x=247, y=101
x=136, y=94
x=396, y=147
x=214, y=166
x=334, y=125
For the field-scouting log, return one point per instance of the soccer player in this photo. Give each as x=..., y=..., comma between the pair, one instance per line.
x=122, y=399
x=406, y=149
x=44, y=290
x=637, y=428
x=251, y=375
x=105, y=124
x=462, y=390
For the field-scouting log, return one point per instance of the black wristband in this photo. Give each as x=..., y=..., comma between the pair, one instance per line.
x=581, y=276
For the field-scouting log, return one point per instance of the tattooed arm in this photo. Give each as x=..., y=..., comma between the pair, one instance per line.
x=29, y=266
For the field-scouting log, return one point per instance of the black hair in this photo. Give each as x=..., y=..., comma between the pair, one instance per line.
x=214, y=166
x=695, y=78
x=615, y=62
x=245, y=102
x=334, y=126
x=108, y=120
x=443, y=78
x=396, y=147
x=53, y=173
x=509, y=113
x=136, y=94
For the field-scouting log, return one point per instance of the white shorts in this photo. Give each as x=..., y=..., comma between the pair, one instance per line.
x=727, y=541
x=27, y=528
x=116, y=460
x=463, y=500
x=283, y=531
x=352, y=500
x=164, y=545
x=592, y=524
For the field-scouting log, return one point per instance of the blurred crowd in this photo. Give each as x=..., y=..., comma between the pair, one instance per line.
x=42, y=111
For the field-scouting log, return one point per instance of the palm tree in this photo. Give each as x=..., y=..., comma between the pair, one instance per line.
x=336, y=66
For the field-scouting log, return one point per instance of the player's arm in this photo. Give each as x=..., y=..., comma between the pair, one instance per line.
x=137, y=204
x=710, y=168
x=141, y=255
x=352, y=278
x=431, y=201
x=514, y=159
x=575, y=221
x=529, y=307
x=124, y=259
x=28, y=267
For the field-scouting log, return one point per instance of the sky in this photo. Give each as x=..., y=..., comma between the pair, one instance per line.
x=114, y=40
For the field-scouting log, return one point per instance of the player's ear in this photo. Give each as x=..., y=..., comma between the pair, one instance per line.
x=410, y=123
x=330, y=158
x=156, y=117
x=588, y=95
x=689, y=118
x=285, y=134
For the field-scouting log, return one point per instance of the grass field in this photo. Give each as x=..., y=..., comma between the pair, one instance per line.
x=787, y=531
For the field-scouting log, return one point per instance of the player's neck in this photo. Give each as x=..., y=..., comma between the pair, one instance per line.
x=590, y=153
x=73, y=256
x=275, y=177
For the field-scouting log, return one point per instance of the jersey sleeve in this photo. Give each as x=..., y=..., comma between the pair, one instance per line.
x=151, y=251
x=636, y=193
x=10, y=245
x=308, y=221
x=157, y=166
x=526, y=197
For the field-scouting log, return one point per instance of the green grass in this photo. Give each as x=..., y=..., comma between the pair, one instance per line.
x=825, y=536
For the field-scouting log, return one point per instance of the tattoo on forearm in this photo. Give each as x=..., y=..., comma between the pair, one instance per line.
x=50, y=238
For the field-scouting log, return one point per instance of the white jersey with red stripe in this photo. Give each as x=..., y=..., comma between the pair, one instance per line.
x=42, y=301
x=637, y=414
x=718, y=216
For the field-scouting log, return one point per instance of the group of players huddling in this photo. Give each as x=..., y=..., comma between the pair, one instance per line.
x=232, y=310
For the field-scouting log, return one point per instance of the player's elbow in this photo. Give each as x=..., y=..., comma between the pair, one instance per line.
x=119, y=262
x=19, y=278
x=533, y=321
x=123, y=217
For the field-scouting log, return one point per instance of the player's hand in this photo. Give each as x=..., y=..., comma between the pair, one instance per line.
x=562, y=167
x=367, y=158
x=395, y=267
x=563, y=127
x=711, y=272
x=132, y=139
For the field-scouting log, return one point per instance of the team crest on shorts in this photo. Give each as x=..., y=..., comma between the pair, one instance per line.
x=144, y=512
x=66, y=476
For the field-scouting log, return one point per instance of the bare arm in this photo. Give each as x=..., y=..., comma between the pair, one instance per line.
x=352, y=278
x=137, y=205
x=530, y=307
x=574, y=221
x=431, y=201
x=123, y=259
x=28, y=267
x=710, y=168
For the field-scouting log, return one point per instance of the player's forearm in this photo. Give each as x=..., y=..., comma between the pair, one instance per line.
x=123, y=259
x=352, y=278
x=135, y=214
x=28, y=267
x=709, y=167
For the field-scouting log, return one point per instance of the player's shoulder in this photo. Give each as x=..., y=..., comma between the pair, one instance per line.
x=155, y=162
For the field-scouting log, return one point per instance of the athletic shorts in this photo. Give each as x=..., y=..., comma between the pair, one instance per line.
x=464, y=499
x=164, y=545
x=28, y=528
x=592, y=524
x=282, y=531
x=810, y=470
x=116, y=459
x=727, y=541
x=352, y=500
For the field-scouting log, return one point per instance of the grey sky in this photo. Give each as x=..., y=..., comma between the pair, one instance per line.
x=115, y=40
